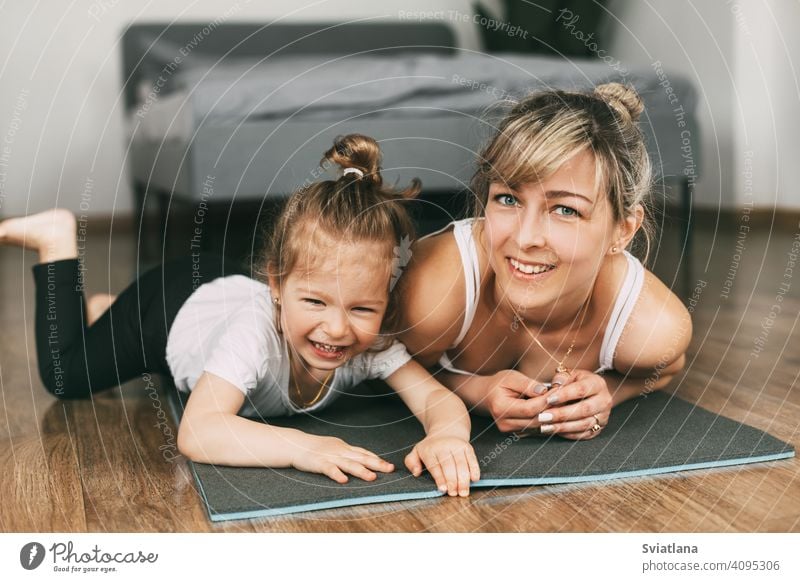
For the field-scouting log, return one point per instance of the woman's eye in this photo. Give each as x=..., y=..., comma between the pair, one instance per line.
x=567, y=211
x=506, y=200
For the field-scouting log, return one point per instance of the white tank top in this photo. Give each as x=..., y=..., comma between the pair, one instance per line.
x=623, y=306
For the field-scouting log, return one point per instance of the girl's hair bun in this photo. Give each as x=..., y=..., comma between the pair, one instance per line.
x=357, y=151
x=623, y=98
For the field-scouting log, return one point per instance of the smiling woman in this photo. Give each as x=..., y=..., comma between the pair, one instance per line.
x=534, y=310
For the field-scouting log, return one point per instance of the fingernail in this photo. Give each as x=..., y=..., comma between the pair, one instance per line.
x=552, y=399
x=464, y=493
x=540, y=389
x=545, y=428
x=545, y=417
x=443, y=488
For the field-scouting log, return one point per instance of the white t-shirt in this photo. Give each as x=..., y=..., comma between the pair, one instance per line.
x=227, y=327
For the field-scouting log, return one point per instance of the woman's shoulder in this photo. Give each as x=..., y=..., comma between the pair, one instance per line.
x=432, y=292
x=657, y=332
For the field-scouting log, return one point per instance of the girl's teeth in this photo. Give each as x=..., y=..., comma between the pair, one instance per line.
x=529, y=269
x=327, y=347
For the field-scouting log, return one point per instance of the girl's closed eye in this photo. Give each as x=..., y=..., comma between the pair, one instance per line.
x=312, y=301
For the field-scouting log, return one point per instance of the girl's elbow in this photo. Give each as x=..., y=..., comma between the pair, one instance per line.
x=188, y=444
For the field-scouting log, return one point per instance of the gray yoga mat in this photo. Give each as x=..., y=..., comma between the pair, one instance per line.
x=648, y=435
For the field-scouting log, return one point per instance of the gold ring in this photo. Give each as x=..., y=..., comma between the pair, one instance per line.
x=596, y=427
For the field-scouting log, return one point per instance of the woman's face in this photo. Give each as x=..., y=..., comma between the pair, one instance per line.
x=547, y=240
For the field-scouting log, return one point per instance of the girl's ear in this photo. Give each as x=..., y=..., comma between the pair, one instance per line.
x=274, y=287
x=628, y=227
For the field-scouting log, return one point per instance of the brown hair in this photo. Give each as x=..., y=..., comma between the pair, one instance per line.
x=352, y=208
x=549, y=127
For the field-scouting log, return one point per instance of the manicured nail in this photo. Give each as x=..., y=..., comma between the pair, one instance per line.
x=540, y=389
x=552, y=399
x=545, y=428
x=463, y=493
x=545, y=417
x=443, y=488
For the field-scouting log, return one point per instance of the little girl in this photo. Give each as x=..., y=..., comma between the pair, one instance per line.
x=317, y=324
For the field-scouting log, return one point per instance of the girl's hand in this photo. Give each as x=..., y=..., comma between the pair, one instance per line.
x=333, y=457
x=451, y=461
x=577, y=402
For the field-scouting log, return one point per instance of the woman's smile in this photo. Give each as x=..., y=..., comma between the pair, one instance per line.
x=526, y=271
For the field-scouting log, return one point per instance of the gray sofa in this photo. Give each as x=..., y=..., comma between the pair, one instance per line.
x=235, y=112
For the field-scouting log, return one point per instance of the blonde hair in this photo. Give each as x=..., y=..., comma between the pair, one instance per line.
x=549, y=127
x=356, y=207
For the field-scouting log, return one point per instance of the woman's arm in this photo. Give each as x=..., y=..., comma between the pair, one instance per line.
x=211, y=432
x=432, y=299
x=511, y=398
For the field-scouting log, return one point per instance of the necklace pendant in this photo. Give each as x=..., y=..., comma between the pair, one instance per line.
x=561, y=369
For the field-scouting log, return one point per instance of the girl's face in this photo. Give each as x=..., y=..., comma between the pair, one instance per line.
x=547, y=240
x=333, y=311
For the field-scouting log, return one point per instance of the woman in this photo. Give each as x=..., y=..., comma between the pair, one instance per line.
x=534, y=310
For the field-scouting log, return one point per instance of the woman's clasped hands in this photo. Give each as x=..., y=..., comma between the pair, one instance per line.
x=576, y=405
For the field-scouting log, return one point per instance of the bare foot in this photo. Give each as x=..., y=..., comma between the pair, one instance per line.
x=97, y=305
x=52, y=233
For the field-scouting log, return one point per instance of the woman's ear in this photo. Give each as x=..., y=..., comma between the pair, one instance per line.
x=628, y=227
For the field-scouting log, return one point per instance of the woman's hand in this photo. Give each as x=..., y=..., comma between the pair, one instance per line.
x=514, y=401
x=333, y=457
x=451, y=462
x=577, y=402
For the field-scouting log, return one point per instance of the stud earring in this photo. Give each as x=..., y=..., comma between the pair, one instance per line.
x=276, y=301
x=613, y=249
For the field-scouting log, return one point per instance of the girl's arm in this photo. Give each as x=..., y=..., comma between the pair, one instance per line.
x=445, y=451
x=211, y=432
x=440, y=411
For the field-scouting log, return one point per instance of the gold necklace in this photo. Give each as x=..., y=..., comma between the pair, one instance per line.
x=560, y=368
x=304, y=404
x=301, y=402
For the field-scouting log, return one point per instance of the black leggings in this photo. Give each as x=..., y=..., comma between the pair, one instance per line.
x=129, y=339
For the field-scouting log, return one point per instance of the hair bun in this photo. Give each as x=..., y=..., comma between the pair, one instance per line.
x=357, y=151
x=623, y=98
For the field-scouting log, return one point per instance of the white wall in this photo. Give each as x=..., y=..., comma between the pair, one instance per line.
x=767, y=112
x=60, y=80
x=740, y=55
x=694, y=39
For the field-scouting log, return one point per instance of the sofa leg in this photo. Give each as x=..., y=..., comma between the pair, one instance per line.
x=687, y=194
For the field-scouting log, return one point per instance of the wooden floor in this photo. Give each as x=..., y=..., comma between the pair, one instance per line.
x=97, y=466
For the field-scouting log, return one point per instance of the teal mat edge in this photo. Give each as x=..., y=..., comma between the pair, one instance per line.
x=217, y=517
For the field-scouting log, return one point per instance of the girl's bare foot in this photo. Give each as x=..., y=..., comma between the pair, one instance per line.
x=52, y=233
x=97, y=306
